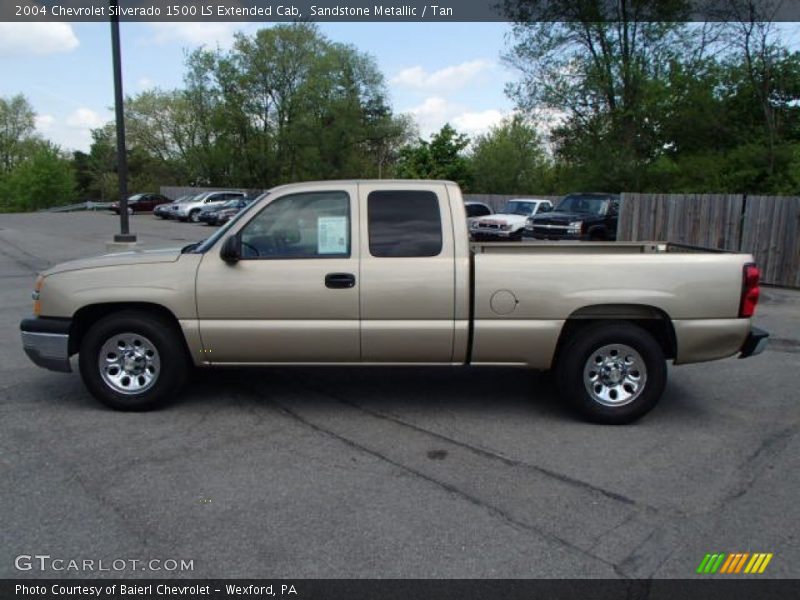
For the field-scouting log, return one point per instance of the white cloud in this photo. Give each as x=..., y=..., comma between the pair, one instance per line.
x=446, y=79
x=44, y=122
x=145, y=82
x=435, y=111
x=477, y=122
x=36, y=39
x=196, y=34
x=85, y=118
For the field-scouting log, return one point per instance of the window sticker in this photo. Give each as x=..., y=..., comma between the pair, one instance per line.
x=332, y=235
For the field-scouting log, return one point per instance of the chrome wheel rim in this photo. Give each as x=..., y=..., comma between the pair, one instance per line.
x=614, y=375
x=129, y=363
x=195, y=217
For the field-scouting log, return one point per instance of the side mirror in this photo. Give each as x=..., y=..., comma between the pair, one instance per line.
x=231, y=250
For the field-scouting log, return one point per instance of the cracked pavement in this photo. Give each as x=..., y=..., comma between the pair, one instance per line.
x=379, y=472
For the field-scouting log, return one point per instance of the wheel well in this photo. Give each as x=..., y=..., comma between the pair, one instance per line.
x=86, y=316
x=653, y=320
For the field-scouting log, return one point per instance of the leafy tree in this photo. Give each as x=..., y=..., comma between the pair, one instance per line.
x=46, y=178
x=16, y=130
x=510, y=159
x=284, y=104
x=442, y=157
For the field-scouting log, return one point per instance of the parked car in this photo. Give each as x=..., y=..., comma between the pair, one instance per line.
x=476, y=210
x=162, y=210
x=229, y=210
x=171, y=210
x=142, y=203
x=388, y=277
x=190, y=211
x=208, y=214
x=581, y=216
x=509, y=223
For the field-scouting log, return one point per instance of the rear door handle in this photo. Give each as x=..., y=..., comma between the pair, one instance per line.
x=340, y=280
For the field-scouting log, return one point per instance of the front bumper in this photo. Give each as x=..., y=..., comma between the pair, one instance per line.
x=543, y=233
x=46, y=342
x=755, y=342
x=488, y=235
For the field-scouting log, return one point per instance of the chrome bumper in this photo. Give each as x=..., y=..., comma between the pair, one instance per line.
x=46, y=342
x=755, y=343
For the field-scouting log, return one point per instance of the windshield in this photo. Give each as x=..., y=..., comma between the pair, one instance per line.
x=183, y=199
x=515, y=207
x=135, y=197
x=232, y=203
x=593, y=205
x=204, y=245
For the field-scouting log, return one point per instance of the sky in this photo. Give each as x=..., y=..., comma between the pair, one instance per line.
x=439, y=72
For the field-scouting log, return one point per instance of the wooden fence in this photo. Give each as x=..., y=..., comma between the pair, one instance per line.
x=766, y=226
x=771, y=233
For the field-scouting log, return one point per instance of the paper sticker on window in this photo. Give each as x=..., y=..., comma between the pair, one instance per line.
x=332, y=235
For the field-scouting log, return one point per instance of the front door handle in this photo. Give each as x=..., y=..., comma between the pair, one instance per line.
x=340, y=280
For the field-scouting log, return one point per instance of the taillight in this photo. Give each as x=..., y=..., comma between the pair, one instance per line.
x=750, y=291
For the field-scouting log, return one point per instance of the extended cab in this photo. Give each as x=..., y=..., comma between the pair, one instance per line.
x=383, y=273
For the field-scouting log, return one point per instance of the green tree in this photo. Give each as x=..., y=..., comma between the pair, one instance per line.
x=510, y=159
x=605, y=67
x=16, y=130
x=46, y=178
x=443, y=157
x=287, y=104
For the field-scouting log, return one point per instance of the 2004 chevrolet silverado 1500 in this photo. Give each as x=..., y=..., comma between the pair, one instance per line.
x=383, y=273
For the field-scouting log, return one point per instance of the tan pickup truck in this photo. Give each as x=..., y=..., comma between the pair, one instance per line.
x=383, y=273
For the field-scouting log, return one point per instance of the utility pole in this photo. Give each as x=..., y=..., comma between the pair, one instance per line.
x=124, y=235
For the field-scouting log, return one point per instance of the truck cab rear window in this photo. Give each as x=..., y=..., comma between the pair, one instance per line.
x=404, y=224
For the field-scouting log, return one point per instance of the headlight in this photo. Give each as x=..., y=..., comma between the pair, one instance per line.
x=576, y=226
x=473, y=225
x=505, y=227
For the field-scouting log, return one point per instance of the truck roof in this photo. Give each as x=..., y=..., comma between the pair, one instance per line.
x=368, y=181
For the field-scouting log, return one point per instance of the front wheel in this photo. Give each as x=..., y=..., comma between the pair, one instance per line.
x=133, y=361
x=612, y=373
x=130, y=211
x=194, y=216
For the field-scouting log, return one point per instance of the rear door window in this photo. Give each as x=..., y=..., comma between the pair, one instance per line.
x=404, y=223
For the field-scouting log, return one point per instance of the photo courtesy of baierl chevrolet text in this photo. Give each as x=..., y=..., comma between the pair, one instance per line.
x=366, y=300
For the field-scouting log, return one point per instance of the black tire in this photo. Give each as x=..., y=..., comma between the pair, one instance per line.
x=574, y=372
x=194, y=215
x=516, y=236
x=170, y=352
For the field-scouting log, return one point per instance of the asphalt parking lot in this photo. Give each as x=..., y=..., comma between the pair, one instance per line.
x=413, y=472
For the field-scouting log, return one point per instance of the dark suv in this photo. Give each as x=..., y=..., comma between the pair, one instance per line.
x=580, y=216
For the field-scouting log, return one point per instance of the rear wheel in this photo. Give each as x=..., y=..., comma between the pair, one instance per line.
x=133, y=361
x=612, y=372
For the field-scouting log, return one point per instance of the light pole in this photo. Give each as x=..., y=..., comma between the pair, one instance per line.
x=124, y=235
